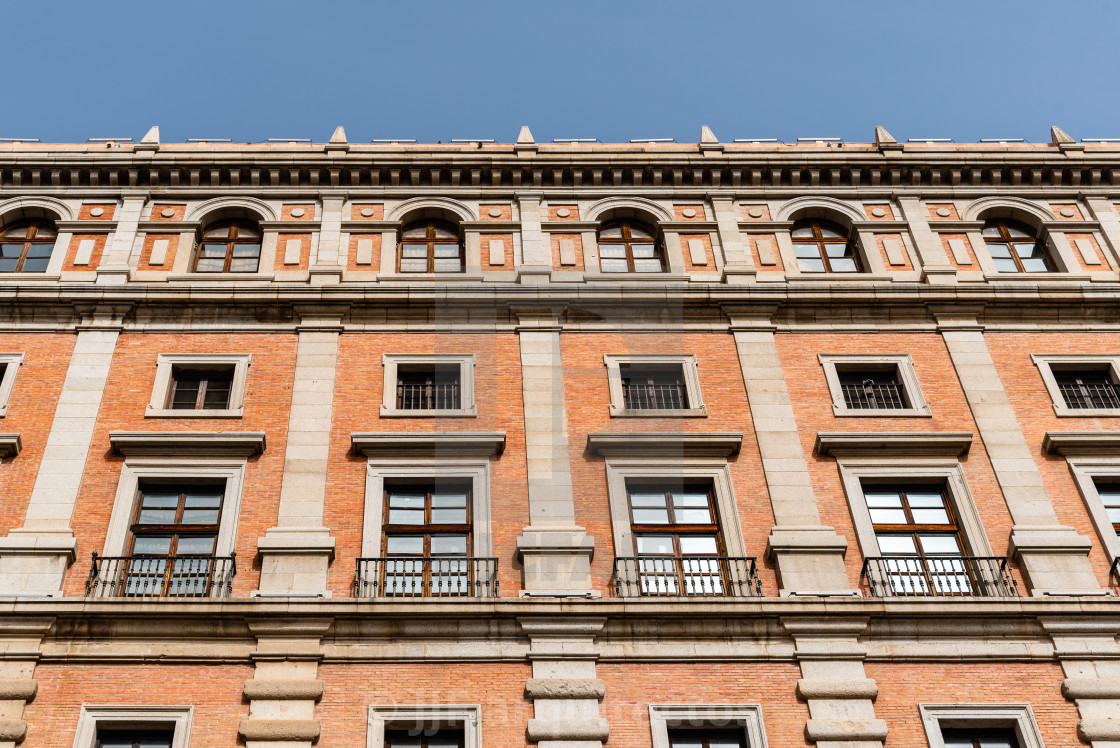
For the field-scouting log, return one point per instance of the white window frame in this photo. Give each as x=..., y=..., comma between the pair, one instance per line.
x=1019, y=717
x=1045, y=363
x=92, y=717
x=748, y=716
x=11, y=362
x=135, y=469
x=904, y=369
x=689, y=375
x=465, y=362
x=474, y=469
x=1086, y=471
x=855, y=470
x=467, y=716
x=621, y=469
x=240, y=362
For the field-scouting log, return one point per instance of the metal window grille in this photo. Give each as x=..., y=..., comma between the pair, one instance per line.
x=868, y=391
x=1083, y=390
x=939, y=576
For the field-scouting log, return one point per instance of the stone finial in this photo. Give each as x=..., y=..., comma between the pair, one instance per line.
x=1062, y=139
x=885, y=140
x=707, y=136
x=153, y=135
x=525, y=137
x=338, y=136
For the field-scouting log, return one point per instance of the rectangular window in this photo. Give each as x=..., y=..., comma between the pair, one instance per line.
x=173, y=532
x=1110, y=497
x=1088, y=388
x=9, y=365
x=438, y=738
x=428, y=387
x=676, y=539
x=646, y=387
x=964, y=737
x=707, y=738
x=200, y=389
x=136, y=738
x=871, y=389
x=427, y=539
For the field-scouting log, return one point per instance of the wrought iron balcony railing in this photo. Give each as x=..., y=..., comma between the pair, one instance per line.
x=638, y=396
x=939, y=576
x=426, y=577
x=428, y=396
x=688, y=576
x=871, y=396
x=161, y=576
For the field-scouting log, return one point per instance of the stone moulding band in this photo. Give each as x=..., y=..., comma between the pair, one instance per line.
x=837, y=688
x=279, y=729
x=13, y=729
x=280, y=690
x=565, y=688
x=817, y=730
x=1090, y=688
x=1098, y=729
x=942, y=444
x=553, y=729
x=18, y=689
x=433, y=444
x=224, y=443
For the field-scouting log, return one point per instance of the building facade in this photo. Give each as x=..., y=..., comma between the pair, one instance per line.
x=560, y=445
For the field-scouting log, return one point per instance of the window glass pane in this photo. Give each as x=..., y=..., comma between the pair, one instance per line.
x=693, y=498
x=1016, y=232
x=449, y=516
x=930, y=516
x=212, y=250
x=449, y=499
x=246, y=250
x=200, y=516
x=158, y=509
x=1005, y=266
x=836, y=250
x=416, y=232
x=829, y=232
x=998, y=250
x=217, y=232
x=406, y=516
x=613, y=250
x=644, y=250
x=638, y=232
x=404, y=544
x=414, y=250
x=203, y=545
x=896, y=544
x=217, y=395
x=699, y=545
x=34, y=264
x=1035, y=265
x=807, y=251
x=661, y=545
x=1027, y=250
x=442, y=233
x=612, y=232
x=414, y=265
x=185, y=396
x=936, y=545
x=991, y=231
x=650, y=516
x=647, y=499
x=446, y=265
x=243, y=265
x=151, y=546
x=16, y=232
x=210, y=265
x=407, y=500
x=40, y=250
x=447, y=250
x=449, y=545
x=888, y=516
x=883, y=499
x=845, y=265
x=811, y=266
x=614, y=266
x=802, y=232
x=647, y=266
x=921, y=499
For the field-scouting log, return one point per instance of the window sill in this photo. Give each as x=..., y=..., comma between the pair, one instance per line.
x=429, y=413
x=1064, y=412
x=881, y=412
x=629, y=277
x=220, y=277
x=151, y=412
x=1052, y=277
x=662, y=413
x=838, y=277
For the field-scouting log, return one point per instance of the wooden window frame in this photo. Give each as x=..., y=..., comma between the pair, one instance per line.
x=628, y=243
x=704, y=735
x=175, y=528
x=391, y=735
x=28, y=241
x=819, y=240
x=431, y=240
x=427, y=529
x=169, y=730
x=203, y=385
x=231, y=240
x=166, y=363
x=672, y=528
x=978, y=733
x=1005, y=238
x=914, y=529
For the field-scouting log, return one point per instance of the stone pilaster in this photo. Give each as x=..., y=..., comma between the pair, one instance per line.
x=327, y=267
x=296, y=553
x=1090, y=657
x=838, y=692
x=285, y=685
x=536, y=251
x=809, y=556
x=1054, y=558
x=564, y=688
x=935, y=263
x=35, y=556
x=114, y=267
x=555, y=552
x=20, y=640
x=738, y=267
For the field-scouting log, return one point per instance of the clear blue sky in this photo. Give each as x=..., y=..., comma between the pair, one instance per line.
x=612, y=69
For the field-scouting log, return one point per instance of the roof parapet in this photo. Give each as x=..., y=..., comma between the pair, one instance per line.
x=338, y=140
x=1062, y=139
x=885, y=141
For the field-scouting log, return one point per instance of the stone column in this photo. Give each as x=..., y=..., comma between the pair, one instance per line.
x=34, y=557
x=564, y=688
x=833, y=683
x=738, y=267
x=936, y=268
x=555, y=552
x=114, y=267
x=809, y=555
x=326, y=268
x=1090, y=657
x=20, y=639
x=285, y=687
x=1054, y=558
x=536, y=249
x=296, y=553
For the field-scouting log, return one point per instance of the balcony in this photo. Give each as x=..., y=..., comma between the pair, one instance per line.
x=939, y=576
x=161, y=576
x=692, y=576
x=426, y=577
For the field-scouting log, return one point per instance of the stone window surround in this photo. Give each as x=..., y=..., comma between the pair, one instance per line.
x=378, y=470
x=162, y=387
x=689, y=374
x=92, y=717
x=466, y=363
x=135, y=469
x=855, y=470
x=907, y=378
x=1085, y=471
x=11, y=363
x=749, y=716
x=660, y=466
x=467, y=716
x=1045, y=363
x=1019, y=717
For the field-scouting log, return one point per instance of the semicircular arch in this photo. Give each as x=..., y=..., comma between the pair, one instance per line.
x=819, y=207
x=623, y=205
x=429, y=207
x=225, y=205
x=19, y=208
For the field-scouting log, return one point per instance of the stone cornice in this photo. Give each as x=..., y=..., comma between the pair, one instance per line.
x=436, y=445
x=940, y=444
x=226, y=443
x=692, y=444
x=1079, y=443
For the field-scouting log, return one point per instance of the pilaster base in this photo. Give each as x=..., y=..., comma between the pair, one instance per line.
x=1054, y=560
x=534, y=274
x=326, y=275
x=113, y=275
x=809, y=560
x=34, y=564
x=294, y=562
x=556, y=561
x=739, y=273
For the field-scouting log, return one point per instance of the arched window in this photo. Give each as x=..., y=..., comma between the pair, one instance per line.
x=1015, y=247
x=430, y=247
x=629, y=247
x=229, y=247
x=26, y=247
x=824, y=247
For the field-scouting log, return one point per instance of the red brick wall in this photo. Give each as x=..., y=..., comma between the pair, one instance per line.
x=268, y=397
